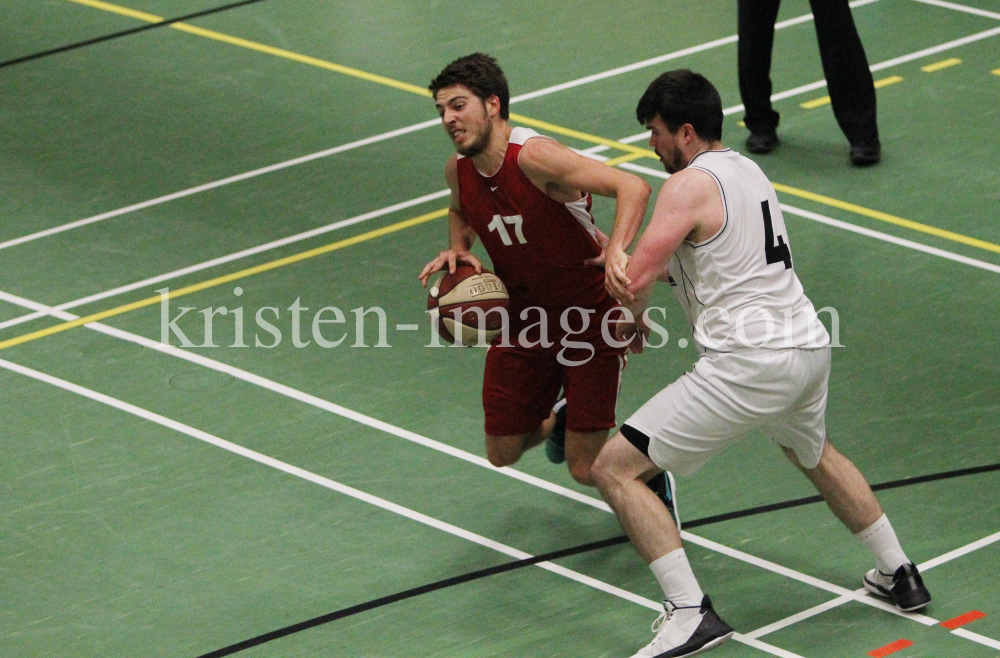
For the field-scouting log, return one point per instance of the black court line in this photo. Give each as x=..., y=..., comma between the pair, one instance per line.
x=555, y=555
x=125, y=33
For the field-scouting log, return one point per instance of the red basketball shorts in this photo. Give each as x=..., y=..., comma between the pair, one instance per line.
x=520, y=385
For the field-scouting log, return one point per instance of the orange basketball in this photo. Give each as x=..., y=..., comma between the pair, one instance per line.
x=468, y=306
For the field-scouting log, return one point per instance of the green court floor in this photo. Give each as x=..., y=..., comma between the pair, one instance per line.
x=309, y=501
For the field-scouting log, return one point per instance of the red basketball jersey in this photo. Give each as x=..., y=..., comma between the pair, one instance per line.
x=537, y=244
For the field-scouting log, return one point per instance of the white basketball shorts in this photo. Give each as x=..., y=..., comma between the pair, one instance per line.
x=726, y=395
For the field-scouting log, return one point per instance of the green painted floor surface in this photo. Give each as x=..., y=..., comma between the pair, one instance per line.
x=121, y=537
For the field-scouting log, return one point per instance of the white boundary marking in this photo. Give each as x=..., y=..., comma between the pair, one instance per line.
x=387, y=135
x=306, y=398
x=219, y=183
x=845, y=594
x=354, y=493
x=750, y=639
x=235, y=256
x=957, y=7
x=976, y=637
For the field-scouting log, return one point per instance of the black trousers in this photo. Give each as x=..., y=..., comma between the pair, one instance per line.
x=850, y=83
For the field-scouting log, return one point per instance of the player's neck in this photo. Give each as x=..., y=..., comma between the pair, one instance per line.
x=696, y=149
x=490, y=159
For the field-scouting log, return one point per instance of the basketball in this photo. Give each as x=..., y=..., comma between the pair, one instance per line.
x=468, y=308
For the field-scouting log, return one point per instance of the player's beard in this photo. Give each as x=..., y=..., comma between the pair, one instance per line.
x=676, y=163
x=480, y=144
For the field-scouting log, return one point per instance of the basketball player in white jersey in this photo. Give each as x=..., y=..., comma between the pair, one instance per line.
x=718, y=232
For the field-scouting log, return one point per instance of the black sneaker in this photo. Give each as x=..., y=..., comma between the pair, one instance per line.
x=665, y=488
x=905, y=587
x=865, y=155
x=555, y=444
x=686, y=631
x=762, y=142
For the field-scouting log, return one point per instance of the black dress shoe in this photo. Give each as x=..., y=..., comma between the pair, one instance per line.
x=865, y=155
x=762, y=142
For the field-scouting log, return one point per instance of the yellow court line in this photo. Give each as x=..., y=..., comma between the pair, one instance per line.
x=124, y=11
x=543, y=125
x=259, y=47
x=819, y=102
x=943, y=64
x=814, y=103
x=625, y=158
x=885, y=82
x=885, y=217
x=218, y=281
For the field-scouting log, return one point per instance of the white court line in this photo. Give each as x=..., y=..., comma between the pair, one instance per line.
x=234, y=256
x=846, y=595
x=653, y=61
x=859, y=595
x=957, y=7
x=314, y=401
x=354, y=493
x=853, y=596
x=387, y=135
x=751, y=639
x=219, y=183
x=976, y=637
x=311, y=400
x=853, y=228
x=593, y=150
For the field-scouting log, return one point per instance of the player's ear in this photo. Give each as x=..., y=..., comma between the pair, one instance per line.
x=492, y=106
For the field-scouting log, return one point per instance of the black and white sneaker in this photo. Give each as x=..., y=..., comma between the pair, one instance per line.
x=665, y=488
x=686, y=631
x=555, y=444
x=905, y=587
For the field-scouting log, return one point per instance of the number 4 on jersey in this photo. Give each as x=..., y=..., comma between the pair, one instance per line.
x=778, y=253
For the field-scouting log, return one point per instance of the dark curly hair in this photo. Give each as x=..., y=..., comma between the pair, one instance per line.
x=481, y=74
x=680, y=97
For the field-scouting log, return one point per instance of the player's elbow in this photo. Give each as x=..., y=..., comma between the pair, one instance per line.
x=639, y=189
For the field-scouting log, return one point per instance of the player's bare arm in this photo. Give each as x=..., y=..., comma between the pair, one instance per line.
x=688, y=207
x=564, y=175
x=461, y=237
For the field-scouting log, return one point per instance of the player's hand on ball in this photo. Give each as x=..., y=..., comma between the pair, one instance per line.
x=615, y=279
x=450, y=258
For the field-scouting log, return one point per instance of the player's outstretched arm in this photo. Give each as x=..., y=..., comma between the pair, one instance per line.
x=688, y=206
x=461, y=237
x=558, y=169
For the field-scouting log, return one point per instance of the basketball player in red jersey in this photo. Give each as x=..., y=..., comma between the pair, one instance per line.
x=527, y=198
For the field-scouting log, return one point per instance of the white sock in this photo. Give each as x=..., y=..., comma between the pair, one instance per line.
x=880, y=539
x=674, y=574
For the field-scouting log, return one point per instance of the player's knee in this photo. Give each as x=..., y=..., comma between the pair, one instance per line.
x=583, y=472
x=603, y=472
x=501, y=451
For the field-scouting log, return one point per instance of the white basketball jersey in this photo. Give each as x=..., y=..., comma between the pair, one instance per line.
x=738, y=288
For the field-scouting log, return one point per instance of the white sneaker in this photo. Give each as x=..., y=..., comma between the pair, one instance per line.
x=686, y=631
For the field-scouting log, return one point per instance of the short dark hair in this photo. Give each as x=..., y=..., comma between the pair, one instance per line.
x=481, y=74
x=680, y=97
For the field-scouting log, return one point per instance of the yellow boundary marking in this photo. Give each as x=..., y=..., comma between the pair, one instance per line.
x=885, y=82
x=943, y=64
x=885, y=217
x=819, y=102
x=218, y=281
x=633, y=153
x=259, y=47
x=625, y=158
x=814, y=103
